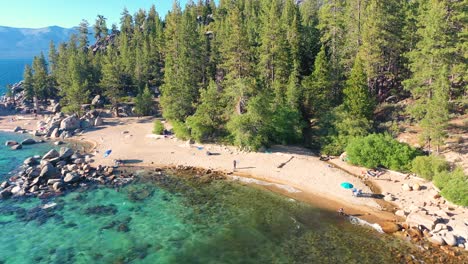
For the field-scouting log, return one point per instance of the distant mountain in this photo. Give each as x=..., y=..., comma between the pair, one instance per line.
x=28, y=42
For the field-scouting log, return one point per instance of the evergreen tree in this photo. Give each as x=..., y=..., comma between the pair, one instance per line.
x=28, y=82
x=40, y=78
x=53, y=57
x=318, y=87
x=183, y=57
x=430, y=62
x=100, y=27
x=144, y=102
x=210, y=116
x=112, y=78
x=358, y=103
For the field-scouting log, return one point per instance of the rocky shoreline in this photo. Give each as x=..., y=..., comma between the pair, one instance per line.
x=57, y=172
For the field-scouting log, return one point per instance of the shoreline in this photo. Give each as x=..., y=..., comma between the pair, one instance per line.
x=318, y=181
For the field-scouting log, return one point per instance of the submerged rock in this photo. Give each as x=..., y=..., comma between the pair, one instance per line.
x=28, y=141
x=102, y=210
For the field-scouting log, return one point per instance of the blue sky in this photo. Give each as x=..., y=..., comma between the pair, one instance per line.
x=68, y=13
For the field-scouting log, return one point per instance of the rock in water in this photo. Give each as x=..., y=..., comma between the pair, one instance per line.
x=17, y=129
x=10, y=143
x=49, y=171
x=51, y=155
x=71, y=177
x=4, y=194
x=30, y=161
x=28, y=141
x=16, y=147
x=70, y=123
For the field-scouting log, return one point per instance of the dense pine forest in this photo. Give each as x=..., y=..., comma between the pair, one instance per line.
x=259, y=72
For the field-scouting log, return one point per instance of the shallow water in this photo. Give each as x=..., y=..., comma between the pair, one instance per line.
x=168, y=219
x=10, y=159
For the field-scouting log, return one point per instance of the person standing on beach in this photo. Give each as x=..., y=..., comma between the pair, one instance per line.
x=234, y=164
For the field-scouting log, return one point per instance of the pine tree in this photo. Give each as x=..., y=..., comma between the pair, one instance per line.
x=53, y=57
x=40, y=78
x=210, y=116
x=183, y=57
x=100, y=27
x=430, y=62
x=28, y=82
x=318, y=87
x=275, y=67
x=332, y=29
x=111, y=82
x=144, y=102
x=358, y=103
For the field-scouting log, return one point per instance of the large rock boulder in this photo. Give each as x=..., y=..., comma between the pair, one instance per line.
x=16, y=147
x=17, y=129
x=49, y=172
x=390, y=227
x=28, y=141
x=450, y=239
x=5, y=194
x=65, y=153
x=55, y=133
x=30, y=161
x=51, y=155
x=420, y=218
x=98, y=121
x=71, y=177
x=96, y=101
x=86, y=123
x=10, y=143
x=436, y=240
x=70, y=123
x=56, y=108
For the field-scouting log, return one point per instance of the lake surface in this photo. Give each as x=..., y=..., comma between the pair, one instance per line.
x=11, y=71
x=181, y=219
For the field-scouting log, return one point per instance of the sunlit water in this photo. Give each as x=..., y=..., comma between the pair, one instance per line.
x=174, y=219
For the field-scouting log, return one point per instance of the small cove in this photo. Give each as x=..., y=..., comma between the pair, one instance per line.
x=165, y=218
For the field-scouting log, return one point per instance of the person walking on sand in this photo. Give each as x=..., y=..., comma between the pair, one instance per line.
x=234, y=165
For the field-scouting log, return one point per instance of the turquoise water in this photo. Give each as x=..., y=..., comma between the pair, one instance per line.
x=181, y=219
x=11, y=71
x=167, y=219
x=10, y=159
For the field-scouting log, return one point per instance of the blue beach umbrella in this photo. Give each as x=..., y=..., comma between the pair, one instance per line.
x=107, y=153
x=346, y=185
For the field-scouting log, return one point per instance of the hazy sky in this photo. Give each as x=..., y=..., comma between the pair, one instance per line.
x=68, y=13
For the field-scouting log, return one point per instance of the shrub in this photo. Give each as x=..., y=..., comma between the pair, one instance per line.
x=380, y=150
x=181, y=130
x=453, y=186
x=158, y=128
x=428, y=166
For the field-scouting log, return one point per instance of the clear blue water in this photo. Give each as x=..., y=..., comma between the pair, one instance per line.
x=10, y=159
x=181, y=219
x=11, y=71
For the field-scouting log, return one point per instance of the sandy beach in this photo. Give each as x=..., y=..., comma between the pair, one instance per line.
x=304, y=176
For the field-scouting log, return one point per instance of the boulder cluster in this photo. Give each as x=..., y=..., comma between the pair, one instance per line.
x=56, y=172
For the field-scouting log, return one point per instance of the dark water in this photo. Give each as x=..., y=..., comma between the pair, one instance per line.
x=168, y=219
x=11, y=71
